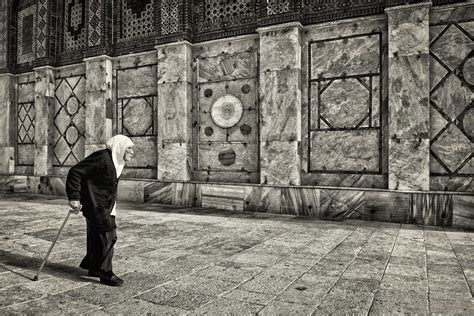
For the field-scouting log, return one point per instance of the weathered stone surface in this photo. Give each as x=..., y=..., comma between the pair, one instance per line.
x=242, y=157
x=262, y=199
x=26, y=92
x=174, y=161
x=226, y=46
x=452, y=47
x=7, y=160
x=286, y=169
x=462, y=211
x=227, y=67
x=131, y=191
x=174, y=63
x=136, y=60
x=136, y=81
x=222, y=197
x=280, y=48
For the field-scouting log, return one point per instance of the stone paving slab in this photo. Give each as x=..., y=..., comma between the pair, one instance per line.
x=184, y=261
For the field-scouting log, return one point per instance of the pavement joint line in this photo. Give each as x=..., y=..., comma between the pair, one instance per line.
x=426, y=274
x=459, y=263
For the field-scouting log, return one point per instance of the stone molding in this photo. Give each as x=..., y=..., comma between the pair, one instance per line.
x=409, y=6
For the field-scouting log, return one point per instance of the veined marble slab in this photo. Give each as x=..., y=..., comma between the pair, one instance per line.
x=246, y=130
x=43, y=155
x=262, y=199
x=341, y=204
x=159, y=192
x=226, y=46
x=386, y=206
x=138, y=173
x=431, y=209
x=452, y=46
x=26, y=154
x=280, y=49
x=454, y=14
x=174, y=63
x=226, y=176
x=226, y=67
x=211, y=156
x=279, y=163
x=137, y=81
x=174, y=161
x=7, y=159
x=345, y=180
x=451, y=183
x=26, y=92
x=145, y=152
x=463, y=216
x=223, y=197
x=452, y=97
x=302, y=202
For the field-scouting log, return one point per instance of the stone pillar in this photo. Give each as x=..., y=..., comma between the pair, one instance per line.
x=280, y=104
x=44, y=107
x=174, y=111
x=99, y=105
x=408, y=96
x=7, y=124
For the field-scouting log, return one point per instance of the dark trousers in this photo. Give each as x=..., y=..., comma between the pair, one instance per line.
x=100, y=249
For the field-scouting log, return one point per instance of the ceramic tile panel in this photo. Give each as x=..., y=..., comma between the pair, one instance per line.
x=26, y=38
x=228, y=157
x=175, y=112
x=431, y=209
x=280, y=105
x=222, y=197
x=138, y=81
x=409, y=164
x=356, y=151
x=279, y=163
x=132, y=191
x=280, y=49
x=227, y=67
x=302, y=202
x=174, y=161
x=262, y=199
x=174, y=63
x=462, y=211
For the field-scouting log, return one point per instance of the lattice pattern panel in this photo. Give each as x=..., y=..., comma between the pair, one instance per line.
x=74, y=22
x=26, y=113
x=169, y=16
x=26, y=35
x=69, y=121
x=345, y=97
x=95, y=23
x=26, y=123
x=3, y=33
x=42, y=28
x=278, y=6
x=452, y=106
x=136, y=19
x=329, y=10
x=212, y=14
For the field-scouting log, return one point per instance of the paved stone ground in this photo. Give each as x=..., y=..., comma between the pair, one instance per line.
x=201, y=261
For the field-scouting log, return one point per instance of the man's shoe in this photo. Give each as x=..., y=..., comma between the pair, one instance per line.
x=110, y=279
x=94, y=273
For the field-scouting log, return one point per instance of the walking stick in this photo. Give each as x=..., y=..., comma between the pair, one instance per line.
x=52, y=245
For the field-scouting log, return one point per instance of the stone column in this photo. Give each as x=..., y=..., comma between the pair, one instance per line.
x=99, y=105
x=7, y=124
x=408, y=96
x=174, y=111
x=44, y=107
x=280, y=104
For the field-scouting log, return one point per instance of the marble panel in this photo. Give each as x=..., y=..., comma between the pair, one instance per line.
x=435, y=31
x=302, y=202
x=262, y=199
x=43, y=155
x=452, y=183
x=136, y=60
x=280, y=49
x=26, y=92
x=437, y=122
x=408, y=31
x=409, y=96
x=95, y=130
x=71, y=71
x=227, y=176
x=431, y=209
x=348, y=56
x=408, y=164
x=184, y=194
x=159, y=192
x=463, y=216
x=386, y=206
x=452, y=14
x=26, y=154
x=227, y=46
x=136, y=81
x=44, y=103
x=345, y=180
x=280, y=105
x=341, y=204
x=451, y=97
x=468, y=26
x=452, y=47
x=52, y=186
x=244, y=89
x=7, y=159
x=376, y=99
x=227, y=67
x=24, y=169
x=356, y=151
x=26, y=77
x=174, y=161
x=279, y=163
x=174, y=63
x=223, y=197
x=33, y=184
x=247, y=128
x=175, y=112
x=132, y=191
x=228, y=156
x=99, y=74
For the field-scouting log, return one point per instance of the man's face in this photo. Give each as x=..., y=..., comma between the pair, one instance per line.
x=129, y=153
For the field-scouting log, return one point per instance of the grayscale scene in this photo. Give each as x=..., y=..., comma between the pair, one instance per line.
x=236, y=157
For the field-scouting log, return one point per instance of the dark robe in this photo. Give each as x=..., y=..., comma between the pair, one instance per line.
x=93, y=182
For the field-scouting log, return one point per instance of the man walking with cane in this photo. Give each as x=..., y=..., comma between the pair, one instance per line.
x=91, y=187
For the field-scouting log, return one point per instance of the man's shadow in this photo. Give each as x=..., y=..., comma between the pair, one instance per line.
x=9, y=261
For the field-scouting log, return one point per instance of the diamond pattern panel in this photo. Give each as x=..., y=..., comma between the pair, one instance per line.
x=95, y=23
x=26, y=123
x=41, y=28
x=138, y=116
x=69, y=121
x=452, y=108
x=169, y=16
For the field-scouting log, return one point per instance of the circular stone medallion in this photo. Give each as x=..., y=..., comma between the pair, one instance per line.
x=468, y=70
x=227, y=111
x=227, y=157
x=71, y=135
x=72, y=106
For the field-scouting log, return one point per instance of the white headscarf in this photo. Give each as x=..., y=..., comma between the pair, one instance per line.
x=118, y=145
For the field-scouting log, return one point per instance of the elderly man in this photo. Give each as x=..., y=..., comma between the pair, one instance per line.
x=91, y=187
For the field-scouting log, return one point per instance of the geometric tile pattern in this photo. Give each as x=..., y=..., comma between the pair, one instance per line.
x=74, y=24
x=3, y=33
x=69, y=121
x=137, y=116
x=452, y=107
x=278, y=6
x=41, y=28
x=212, y=13
x=136, y=19
x=169, y=16
x=95, y=23
x=26, y=30
x=26, y=123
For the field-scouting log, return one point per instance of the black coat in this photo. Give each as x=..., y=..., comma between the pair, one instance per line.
x=93, y=181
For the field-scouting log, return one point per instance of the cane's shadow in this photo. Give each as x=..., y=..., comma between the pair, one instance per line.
x=56, y=269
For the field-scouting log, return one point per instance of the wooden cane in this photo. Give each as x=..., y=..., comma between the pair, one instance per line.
x=52, y=245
